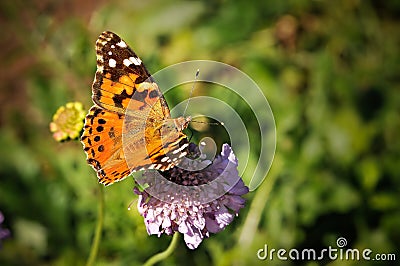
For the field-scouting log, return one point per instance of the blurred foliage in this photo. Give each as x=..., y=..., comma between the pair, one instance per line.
x=330, y=70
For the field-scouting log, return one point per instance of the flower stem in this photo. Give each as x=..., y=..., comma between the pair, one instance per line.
x=258, y=204
x=97, y=235
x=163, y=255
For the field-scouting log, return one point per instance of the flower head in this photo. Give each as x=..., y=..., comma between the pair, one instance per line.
x=68, y=121
x=196, y=199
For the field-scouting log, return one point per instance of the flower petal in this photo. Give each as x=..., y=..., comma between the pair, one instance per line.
x=194, y=203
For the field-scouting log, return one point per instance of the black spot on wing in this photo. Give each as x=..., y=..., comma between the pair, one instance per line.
x=140, y=96
x=118, y=98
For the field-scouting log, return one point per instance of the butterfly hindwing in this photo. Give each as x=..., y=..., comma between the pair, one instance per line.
x=102, y=142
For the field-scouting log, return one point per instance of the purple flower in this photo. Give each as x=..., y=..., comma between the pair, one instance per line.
x=4, y=233
x=196, y=199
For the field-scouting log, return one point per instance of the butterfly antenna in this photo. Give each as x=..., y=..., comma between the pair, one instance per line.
x=191, y=92
x=209, y=123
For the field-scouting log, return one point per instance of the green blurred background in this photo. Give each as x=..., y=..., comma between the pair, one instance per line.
x=330, y=70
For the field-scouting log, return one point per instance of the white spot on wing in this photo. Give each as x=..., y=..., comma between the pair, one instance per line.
x=101, y=42
x=184, y=146
x=122, y=44
x=164, y=159
x=109, y=53
x=132, y=60
x=127, y=62
x=112, y=62
x=182, y=154
x=180, y=149
x=135, y=60
x=112, y=46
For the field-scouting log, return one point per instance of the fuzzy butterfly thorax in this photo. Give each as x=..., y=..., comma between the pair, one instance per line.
x=129, y=128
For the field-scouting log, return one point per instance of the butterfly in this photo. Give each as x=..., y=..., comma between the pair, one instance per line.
x=129, y=128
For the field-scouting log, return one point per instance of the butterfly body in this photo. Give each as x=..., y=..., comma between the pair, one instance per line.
x=130, y=127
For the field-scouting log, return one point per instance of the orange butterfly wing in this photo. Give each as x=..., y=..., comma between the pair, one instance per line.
x=129, y=128
x=103, y=144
